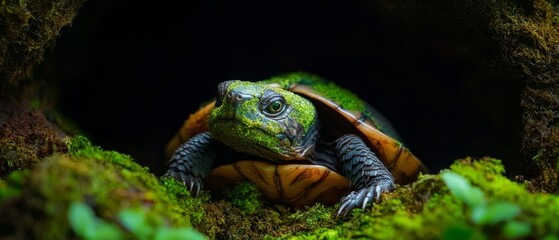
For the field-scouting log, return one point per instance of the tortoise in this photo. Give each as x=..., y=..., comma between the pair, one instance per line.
x=299, y=138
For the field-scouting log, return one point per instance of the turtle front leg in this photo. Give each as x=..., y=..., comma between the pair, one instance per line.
x=368, y=176
x=192, y=162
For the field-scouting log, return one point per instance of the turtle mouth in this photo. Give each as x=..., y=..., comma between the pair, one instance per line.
x=284, y=154
x=300, y=149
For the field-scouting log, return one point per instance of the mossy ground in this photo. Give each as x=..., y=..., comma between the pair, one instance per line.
x=108, y=182
x=423, y=210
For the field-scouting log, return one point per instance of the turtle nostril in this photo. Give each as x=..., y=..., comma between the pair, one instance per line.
x=236, y=96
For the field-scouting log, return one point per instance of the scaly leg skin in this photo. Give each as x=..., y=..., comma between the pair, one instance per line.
x=368, y=176
x=192, y=162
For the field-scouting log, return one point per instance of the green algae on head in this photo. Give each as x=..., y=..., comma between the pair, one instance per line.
x=263, y=120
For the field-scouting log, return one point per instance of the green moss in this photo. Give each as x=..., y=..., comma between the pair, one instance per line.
x=315, y=216
x=194, y=207
x=80, y=147
x=528, y=33
x=246, y=197
x=109, y=182
x=27, y=29
x=547, y=161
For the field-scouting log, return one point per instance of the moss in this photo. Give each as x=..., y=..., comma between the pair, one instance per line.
x=246, y=197
x=529, y=33
x=548, y=180
x=109, y=182
x=80, y=147
x=105, y=180
x=25, y=138
x=27, y=28
x=314, y=217
x=193, y=207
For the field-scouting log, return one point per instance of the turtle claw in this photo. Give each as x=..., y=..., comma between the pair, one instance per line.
x=361, y=198
x=192, y=183
x=347, y=203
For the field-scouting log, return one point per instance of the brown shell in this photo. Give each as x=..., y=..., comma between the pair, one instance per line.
x=294, y=184
x=404, y=166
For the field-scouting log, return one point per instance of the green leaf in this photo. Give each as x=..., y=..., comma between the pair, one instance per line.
x=136, y=222
x=85, y=224
x=461, y=189
x=494, y=212
x=164, y=233
x=105, y=230
x=81, y=217
x=516, y=229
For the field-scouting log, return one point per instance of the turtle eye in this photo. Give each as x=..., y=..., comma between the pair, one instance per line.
x=274, y=107
x=273, y=104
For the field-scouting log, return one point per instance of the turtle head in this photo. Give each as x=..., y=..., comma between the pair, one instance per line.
x=263, y=120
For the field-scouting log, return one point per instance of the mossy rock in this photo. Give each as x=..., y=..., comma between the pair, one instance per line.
x=37, y=200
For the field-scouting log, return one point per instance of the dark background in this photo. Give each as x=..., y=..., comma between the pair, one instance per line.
x=129, y=73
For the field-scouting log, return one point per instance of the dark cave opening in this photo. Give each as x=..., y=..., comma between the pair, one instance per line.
x=129, y=74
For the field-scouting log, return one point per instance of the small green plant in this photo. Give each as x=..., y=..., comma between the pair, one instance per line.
x=484, y=214
x=133, y=222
